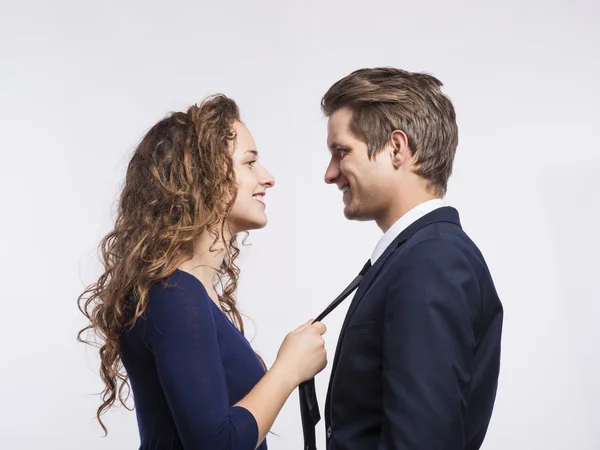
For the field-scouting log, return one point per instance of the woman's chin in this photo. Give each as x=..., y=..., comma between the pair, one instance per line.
x=258, y=224
x=249, y=225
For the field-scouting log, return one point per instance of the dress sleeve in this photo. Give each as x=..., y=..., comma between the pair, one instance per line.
x=182, y=333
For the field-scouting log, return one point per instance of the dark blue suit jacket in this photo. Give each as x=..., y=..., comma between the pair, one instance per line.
x=417, y=362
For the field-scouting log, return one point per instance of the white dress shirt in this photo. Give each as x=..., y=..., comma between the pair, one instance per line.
x=402, y=223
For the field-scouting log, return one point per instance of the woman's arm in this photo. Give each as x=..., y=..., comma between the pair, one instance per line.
x=181, y=330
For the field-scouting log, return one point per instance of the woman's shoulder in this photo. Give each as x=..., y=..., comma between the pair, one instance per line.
x=178, y=312
x=179, y=288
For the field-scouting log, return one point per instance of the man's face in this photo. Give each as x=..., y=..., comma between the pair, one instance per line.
x=367, y=185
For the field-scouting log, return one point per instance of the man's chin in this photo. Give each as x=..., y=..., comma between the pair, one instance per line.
x=351, y=213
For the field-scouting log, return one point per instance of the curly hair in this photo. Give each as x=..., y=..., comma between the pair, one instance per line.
x=179, y=184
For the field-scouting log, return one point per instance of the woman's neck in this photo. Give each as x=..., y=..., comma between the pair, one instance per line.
x=205, y=262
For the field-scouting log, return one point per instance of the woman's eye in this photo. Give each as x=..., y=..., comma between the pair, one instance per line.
x=251, y=163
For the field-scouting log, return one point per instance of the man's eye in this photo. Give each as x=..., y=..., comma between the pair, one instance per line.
x=343, y=151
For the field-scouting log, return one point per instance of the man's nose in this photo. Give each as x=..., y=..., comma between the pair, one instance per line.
x=332, y=173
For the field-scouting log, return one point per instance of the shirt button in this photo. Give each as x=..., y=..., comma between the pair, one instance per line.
x=328, y=431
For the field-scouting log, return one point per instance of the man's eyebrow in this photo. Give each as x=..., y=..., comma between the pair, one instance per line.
x=334, y=145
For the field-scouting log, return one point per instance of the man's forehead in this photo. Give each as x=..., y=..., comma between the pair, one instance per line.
x=339, y=137
x=336, y=130
x=333, y=138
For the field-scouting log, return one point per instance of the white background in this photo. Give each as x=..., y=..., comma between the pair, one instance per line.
x=81, y=82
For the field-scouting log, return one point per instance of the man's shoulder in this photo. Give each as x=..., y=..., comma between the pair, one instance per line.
x=437, y=242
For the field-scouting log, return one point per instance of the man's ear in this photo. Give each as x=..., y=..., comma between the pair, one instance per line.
x=400, y=151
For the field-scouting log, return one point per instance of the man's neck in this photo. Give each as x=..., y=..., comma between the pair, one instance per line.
x=401, y=206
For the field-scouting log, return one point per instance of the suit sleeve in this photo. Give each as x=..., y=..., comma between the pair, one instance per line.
x=428, y=346
x=182, y=333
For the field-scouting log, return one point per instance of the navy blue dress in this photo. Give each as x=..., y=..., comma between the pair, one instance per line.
x=188, y=365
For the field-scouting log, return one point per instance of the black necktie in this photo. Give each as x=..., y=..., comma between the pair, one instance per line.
x=309, y=407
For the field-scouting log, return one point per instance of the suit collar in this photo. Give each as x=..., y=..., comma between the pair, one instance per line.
x=404, y=222
x=443, y=214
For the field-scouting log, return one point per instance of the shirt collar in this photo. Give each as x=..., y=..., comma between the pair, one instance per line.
x=402, y=223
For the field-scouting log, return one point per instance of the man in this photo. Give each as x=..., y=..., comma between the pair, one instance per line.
x=417, y=362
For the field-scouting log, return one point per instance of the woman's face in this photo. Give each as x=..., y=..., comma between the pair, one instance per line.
x=253, y=180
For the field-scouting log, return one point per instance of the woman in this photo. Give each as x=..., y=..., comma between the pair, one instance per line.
x=164, y=308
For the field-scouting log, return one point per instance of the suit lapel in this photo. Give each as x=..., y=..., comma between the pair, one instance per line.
x=362, y=288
